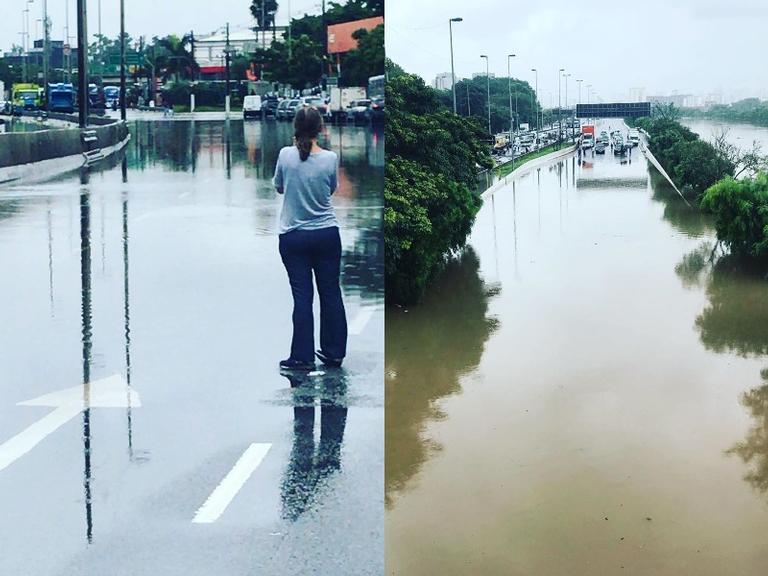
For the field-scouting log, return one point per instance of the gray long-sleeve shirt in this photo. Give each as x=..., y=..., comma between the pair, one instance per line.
x=307, y=187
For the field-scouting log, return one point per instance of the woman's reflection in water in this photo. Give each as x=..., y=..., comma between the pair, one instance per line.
x=312, y=464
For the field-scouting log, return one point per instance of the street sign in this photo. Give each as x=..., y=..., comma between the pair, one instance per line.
x=332, y=80
x=112, y=392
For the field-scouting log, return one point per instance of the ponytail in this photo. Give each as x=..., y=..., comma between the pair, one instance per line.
x=307, y=125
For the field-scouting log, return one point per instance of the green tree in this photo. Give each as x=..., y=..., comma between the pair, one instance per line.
x=266, y=9
x=472, y=98
x=431, y=165
x=740, y=208
x=366, y=60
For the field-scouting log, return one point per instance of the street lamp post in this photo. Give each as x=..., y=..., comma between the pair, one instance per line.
x=453, y=74
x=122, y=60
x=568, y=127
x=559, y=106
x=512, y=119
x=536, y=107
x=488, y=80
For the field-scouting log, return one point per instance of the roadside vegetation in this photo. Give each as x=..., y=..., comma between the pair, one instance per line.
x=749, y=110
x=723, y=180
x=432, y=160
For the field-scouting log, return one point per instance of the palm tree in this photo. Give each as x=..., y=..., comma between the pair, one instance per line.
x=266, y=10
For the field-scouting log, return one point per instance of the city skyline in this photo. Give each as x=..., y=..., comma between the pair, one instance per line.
x=583, y=40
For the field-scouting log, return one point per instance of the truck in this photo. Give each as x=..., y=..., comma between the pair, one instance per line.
x=587, y=136
x=61, y=98
x=341, y=98
x=26, y=97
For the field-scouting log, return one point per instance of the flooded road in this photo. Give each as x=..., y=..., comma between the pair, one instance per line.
x=583, y=392
x=145, y=314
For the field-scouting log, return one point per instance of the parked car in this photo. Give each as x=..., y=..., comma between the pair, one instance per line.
x=269, y=106
x=281, y=111
x=315, y=102
x=252, y=107
x=358, y=110
x=287, y=109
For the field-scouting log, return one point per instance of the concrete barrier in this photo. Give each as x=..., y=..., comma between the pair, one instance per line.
x=530, y=166
x=43, y=153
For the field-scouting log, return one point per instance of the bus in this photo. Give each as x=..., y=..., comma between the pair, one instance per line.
x=61, y=98
x=376, y=87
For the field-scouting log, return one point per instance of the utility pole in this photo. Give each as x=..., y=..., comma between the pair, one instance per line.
x=290, y=38
x=194, y=58
x=66, y=40
x=46, y=51
x=122, y=60
x=82, y=62
x=453, y=74
x=228, y=57
x=263, y=26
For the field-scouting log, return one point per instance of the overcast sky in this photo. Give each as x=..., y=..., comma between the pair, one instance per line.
x=142, y=17
x=688, y=46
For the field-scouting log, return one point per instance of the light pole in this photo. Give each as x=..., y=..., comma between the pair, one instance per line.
x=122, y=60
x=566, y=90
x=536, y=72
x=509, y=86
x=488, y=80
x=559, y=106
x=453, y=74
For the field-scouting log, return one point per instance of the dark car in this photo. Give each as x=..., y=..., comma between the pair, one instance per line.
x=600, y=148
x=269, y=106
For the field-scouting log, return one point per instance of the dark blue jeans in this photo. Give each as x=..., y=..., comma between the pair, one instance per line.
x=319, y=251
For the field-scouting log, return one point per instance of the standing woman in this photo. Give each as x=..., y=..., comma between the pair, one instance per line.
x=310, y=243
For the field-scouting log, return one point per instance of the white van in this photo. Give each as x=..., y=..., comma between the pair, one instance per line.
x=252, y=107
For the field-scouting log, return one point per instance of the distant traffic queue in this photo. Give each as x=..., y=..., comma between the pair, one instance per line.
x=61, y=97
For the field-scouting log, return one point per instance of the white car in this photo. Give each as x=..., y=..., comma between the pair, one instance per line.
x=252, y=107
x=634, y=137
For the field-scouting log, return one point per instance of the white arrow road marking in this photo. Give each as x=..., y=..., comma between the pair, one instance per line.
x=233, y=482
x=112, y=392
x=361, y=320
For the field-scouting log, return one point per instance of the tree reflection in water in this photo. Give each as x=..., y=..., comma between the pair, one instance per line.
x=736, y=321
x=429, y=348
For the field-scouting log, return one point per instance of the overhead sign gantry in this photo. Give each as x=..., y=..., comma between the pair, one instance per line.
x=614, y=110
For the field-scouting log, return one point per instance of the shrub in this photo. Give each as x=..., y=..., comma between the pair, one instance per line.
x=740, y=208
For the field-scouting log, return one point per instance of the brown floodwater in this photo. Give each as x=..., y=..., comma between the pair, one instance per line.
x=583, y=392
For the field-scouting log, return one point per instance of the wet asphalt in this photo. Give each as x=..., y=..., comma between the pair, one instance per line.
x=162, y=273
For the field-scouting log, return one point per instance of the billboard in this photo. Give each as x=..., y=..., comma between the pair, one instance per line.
x=614, y=110
x=340, y=35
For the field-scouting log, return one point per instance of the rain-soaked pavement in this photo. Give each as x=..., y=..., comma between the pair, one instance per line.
x=165, y=292
x=584, y=392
